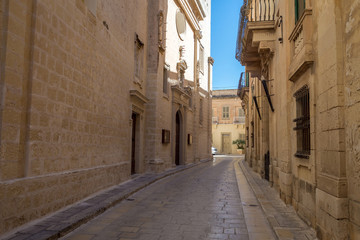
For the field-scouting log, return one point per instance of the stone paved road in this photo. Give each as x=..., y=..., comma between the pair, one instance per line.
x=200, y=203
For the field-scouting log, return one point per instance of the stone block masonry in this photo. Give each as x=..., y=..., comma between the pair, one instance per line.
x=65, y=81
x=81, y=86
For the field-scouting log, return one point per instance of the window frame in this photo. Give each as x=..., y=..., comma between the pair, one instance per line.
x=225, y=112
x=298, y=10
x=166, y=79
x=302, y=121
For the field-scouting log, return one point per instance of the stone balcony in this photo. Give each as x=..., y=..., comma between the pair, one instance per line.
x=302, y=56
x=256, y=36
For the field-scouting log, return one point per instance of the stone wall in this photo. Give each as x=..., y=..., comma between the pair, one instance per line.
x=220, y=99
x=73, y=75
x=320, y=54
x=351, y=76
x=64, y=79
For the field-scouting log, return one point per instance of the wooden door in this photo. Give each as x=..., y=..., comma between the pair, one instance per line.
x=226, y=144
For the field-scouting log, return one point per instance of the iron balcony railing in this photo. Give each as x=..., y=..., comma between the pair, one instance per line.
x=253, y=11
x=239, y=120
x=261, y=10
x=243, y=82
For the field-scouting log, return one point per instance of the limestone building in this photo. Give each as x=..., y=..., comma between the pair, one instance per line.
x=93, y=91
x=302, y=106
x=228, y=121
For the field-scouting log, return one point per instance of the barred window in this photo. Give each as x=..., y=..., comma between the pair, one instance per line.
x=302, y=121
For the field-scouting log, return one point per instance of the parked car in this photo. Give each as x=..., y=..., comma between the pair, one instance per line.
x=213, y=150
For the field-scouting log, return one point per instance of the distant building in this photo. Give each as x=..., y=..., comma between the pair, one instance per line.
x=94, y=91
x=301, y=93
x=228, y=121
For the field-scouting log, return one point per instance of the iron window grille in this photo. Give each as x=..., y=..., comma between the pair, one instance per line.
x=302, y=121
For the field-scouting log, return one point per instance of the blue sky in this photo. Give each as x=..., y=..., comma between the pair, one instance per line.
x=224, y=27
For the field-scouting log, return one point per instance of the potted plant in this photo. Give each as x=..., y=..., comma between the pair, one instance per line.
x=240, y=145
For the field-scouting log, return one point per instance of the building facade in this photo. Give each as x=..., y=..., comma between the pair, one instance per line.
x=302, y=106
x=228, y=121
x=93, y=91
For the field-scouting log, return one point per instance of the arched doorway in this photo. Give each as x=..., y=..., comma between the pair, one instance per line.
x=178, y=138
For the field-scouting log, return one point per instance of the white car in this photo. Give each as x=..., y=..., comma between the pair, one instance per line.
x=213, y=150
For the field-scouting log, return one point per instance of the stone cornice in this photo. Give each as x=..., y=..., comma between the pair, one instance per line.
x=138, y=96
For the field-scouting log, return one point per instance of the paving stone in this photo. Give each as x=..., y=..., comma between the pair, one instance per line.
x=203, y=202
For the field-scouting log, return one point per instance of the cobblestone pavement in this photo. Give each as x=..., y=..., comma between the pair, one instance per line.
x=200, y=203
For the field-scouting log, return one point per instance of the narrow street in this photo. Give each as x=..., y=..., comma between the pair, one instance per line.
x=219, y=199
x=200, y=203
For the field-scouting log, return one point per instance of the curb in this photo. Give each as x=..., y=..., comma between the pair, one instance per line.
x=64, y=221
x=252, y=207
x=282, y=231
x=258, y=196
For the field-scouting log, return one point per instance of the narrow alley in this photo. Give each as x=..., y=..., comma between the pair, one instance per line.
x=203, y=202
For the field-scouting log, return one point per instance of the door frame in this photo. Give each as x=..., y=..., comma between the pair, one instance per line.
x=135, y=143
x=222, y=142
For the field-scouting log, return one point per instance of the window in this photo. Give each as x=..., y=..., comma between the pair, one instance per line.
x=201, y=112
x=226, y=113
x=247, y=79
x=201, y=59
x=241, y=112
x=299, y=9
x=302, y=121
x=165, y=79
x=139, y=56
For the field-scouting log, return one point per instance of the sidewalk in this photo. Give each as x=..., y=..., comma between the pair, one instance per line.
x=282, y=219
x=266, y=216
x=66, y=220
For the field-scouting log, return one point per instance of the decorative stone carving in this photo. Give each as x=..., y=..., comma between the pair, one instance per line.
x=182, y=53
x=266, y=53
x=161, y=31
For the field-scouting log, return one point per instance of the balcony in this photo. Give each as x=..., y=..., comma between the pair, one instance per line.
x=239, y=120
x=243, y=87
x=256, y=35
x=302, y=54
